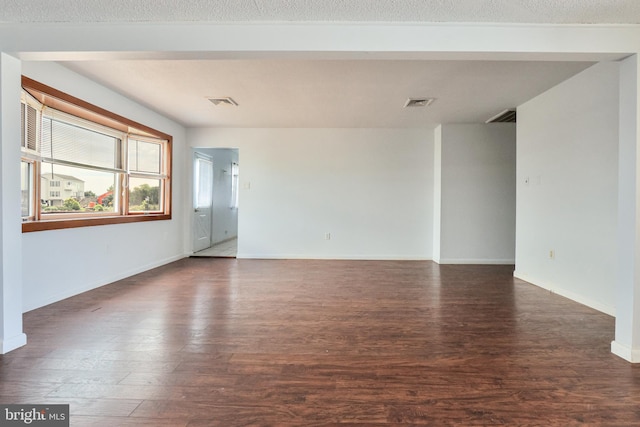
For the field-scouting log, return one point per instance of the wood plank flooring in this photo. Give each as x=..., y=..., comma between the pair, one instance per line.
x=226, y=342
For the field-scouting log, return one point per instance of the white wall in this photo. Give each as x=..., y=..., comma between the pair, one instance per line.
x=478, y=205
x=11, y=335
x=99, y=255
x=567, y=188
x=627, y=303
x=224, y=219
x=371, y=189
x=437, y=192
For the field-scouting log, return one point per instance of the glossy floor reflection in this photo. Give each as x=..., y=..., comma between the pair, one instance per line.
x=226, y=249
x=225, y=342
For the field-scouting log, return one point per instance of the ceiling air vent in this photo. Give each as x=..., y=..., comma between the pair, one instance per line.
x=507, y=116
x=223, y=101
x=419, y=102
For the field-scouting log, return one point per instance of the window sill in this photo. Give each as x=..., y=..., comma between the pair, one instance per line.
x=60, y=224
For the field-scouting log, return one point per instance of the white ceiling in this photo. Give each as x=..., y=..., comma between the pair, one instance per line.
x=325, y=93
x=508, y=11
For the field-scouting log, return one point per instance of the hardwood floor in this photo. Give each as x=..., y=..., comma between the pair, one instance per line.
x=225, y=342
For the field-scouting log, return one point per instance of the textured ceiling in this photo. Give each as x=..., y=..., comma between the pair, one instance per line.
x=498, y=11
x=341, y=93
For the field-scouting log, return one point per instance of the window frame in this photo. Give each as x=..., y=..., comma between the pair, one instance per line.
x=68, y=104
x=32, y=188
x=145, y=175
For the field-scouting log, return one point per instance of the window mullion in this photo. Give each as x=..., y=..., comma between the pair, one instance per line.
x=80, y=165
x=123, y=180
x=149, y=175
x=123, y=194
x=37, y=168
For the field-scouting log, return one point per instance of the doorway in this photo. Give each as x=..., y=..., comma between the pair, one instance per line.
x=216, y=218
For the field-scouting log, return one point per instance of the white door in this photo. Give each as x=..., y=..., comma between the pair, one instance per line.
x=203, y=200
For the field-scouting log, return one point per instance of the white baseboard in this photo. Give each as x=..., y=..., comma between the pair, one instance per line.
x=12, y=343
x=67, y=293
x=611, y=311
x=627, y=353
x=476, y=261
x=333, y=257
x=241, y=255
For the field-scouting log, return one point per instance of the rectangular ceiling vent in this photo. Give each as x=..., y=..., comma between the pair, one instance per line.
x=223, y=101
x=419, y=102
x=507, y=116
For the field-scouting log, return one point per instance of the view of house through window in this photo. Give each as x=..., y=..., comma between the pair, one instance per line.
x=74, y=167
x=67, y=189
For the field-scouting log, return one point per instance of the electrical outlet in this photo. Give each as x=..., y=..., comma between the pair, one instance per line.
x=552, y=254
x=327, y=236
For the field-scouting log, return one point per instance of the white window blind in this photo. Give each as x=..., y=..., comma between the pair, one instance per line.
x=69, y=143
x=29, y=126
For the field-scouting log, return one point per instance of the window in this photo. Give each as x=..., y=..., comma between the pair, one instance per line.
x=235, y=173
x=82, y=165
x=26, y=187
x=145, y=175
x=203, y=176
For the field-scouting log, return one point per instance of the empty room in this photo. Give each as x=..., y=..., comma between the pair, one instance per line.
x=428, y=213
